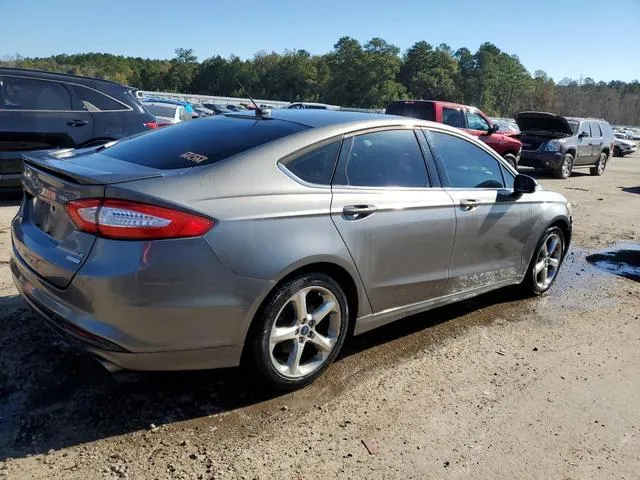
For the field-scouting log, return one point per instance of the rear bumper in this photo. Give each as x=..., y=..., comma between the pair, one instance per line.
x=543, y=160
x=128, y=331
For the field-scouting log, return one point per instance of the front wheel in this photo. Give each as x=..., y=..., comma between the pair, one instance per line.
x=566, y=167
x=301, y=331
x=511, y=160
x=600, y=166
x=545, y=263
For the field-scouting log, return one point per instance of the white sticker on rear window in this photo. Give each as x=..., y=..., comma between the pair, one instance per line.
x=194, y=157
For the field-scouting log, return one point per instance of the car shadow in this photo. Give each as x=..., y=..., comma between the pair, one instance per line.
x=10, y=197
x=52, y=396
x=631, y=189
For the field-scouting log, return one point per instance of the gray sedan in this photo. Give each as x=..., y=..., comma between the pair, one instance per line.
x=272, y=237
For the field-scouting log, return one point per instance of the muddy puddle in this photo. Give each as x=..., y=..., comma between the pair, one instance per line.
x=623, y=259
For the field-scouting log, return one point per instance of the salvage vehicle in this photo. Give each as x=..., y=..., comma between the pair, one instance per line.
x=558, y=144
x=271, y=245
x=469, y=119
x=44, y=110
x=623, y=147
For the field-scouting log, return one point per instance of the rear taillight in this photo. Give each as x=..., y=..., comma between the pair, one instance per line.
x=151, y=125
x=121, y=219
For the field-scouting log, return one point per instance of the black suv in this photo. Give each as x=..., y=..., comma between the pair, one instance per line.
x=560, y=144
x=44, y=110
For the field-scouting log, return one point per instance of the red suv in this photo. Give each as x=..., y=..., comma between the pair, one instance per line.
x=467, y=118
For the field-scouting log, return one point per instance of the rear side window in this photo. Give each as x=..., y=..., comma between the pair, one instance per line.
x=466, y=164
x=606, y=129
x=453, y=117
x=202, y=142
x=95, y=101
x=391, y=158
x=30, y=94
x=595, y=130
x=421, y=110
x=317, y=165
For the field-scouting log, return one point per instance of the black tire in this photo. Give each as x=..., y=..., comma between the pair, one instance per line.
x=600, y=165
x=565, y=168
x=617, y=152
x=530, y=284
x=273, y=309
x=511, y=160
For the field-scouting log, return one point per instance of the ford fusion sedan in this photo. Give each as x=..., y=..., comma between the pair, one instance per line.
x=272, y=237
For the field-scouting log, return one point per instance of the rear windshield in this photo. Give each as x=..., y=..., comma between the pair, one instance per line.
x=422, y=110
x=202, y=142
x=161, y=110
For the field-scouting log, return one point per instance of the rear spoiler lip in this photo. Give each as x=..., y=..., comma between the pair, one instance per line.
x=45, y=160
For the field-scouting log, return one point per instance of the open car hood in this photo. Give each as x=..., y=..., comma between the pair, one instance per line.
x=543, y=122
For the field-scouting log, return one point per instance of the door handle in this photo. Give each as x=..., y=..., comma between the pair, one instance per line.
x=356, y=212
x=77, y=123
x=469, y=204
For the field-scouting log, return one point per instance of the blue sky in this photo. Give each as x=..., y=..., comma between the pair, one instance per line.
x=565, y=38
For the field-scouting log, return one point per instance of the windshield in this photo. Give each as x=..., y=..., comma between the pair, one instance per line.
x=574, y=126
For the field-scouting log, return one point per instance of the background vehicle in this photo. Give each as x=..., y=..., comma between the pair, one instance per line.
x=216, y=263
x=559, y=144
x=623, y=147
x=469, y=119
x=43, y=110
x=187, y=106
x=507, y=126
x=312, y=105
x=216, y=108
x=236, y=108
x=202, y=111
x=168, y=114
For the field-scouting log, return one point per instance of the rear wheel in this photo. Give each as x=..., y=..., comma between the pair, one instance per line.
x=600, y=166
x=511, y=160
x=300, y=331
x=545, y=263
x=565, y=169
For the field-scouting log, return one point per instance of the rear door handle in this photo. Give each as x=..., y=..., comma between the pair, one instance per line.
x=356, y=212
x=77, y=123
x=469, y=204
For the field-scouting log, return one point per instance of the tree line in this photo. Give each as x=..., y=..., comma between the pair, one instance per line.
x=368, y=75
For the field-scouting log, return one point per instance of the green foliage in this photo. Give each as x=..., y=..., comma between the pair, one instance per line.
x=365, y=75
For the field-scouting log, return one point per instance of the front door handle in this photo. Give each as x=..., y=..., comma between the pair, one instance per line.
x=356, y=212
x=77, y=123
x=469, y=204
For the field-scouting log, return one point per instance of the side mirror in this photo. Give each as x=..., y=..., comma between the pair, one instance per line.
x=493, y=129
x=524, y=184
x=583, y=134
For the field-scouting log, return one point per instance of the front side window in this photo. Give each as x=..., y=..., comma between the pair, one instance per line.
x=95, y=101
x=584, y=129
x=453, y=117
x=476, y=122
x=317, y=165
x=466, y=165
x=30, y=94
x=391, y=158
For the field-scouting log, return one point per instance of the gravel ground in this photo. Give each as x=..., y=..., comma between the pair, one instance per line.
x=496, y=387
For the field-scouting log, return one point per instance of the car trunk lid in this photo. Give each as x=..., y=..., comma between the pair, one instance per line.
x=43, y=234
x=543, y=122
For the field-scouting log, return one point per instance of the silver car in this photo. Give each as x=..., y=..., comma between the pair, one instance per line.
x=270, y=237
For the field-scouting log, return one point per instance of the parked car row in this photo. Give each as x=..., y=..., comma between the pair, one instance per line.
x=540, y=140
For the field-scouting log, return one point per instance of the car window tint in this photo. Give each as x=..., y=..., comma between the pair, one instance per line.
x=466, y=165
x=31, y=94
x=508, y=177
x=476, y=122
x=584, y=128
x=317, y=165
x=390, y=158
x=595, y=130
x=161, y=110
x=203, y=142
x=421, y=110
x=606, y=129
x=453, y=117
x=96, y=101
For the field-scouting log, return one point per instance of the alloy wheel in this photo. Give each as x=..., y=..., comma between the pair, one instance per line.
x=548, y=261
x=305, y=332
x=602, y=164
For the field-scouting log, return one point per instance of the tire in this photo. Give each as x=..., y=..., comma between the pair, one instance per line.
x=511, y=160
x=617, y=152
x=565, y=169
x=600, y=166
x=534, y=283
x=317, y=342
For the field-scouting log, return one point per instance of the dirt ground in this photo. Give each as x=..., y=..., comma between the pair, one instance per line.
x=496, y=387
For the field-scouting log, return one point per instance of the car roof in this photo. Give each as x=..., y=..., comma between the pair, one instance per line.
x=31, y=72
